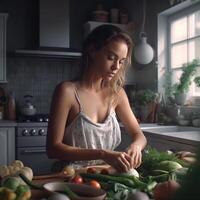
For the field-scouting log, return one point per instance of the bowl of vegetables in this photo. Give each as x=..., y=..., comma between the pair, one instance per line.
x=75, y=191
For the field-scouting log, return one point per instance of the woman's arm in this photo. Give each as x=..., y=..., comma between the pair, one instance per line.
x=128, y=119
x=62, y=102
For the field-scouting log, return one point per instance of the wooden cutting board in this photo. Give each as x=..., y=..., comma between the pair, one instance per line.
x=38, y=194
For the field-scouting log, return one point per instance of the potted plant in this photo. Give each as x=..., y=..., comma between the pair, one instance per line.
x=144, y=99
x=181, y=88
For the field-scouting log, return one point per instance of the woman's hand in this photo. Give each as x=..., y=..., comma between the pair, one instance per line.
x=134, y=151
x=121, y=161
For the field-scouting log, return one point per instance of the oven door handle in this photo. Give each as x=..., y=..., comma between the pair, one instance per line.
x=33, y=151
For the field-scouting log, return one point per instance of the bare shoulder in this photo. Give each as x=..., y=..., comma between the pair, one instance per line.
x=122, y=92
x=122, y=95
x=64, y=91
x=65, y=87
x=121, y=98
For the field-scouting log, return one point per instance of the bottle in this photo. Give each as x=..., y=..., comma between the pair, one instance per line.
x=11, y=107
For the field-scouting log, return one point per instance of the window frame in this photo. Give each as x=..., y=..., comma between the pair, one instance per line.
x=164, y=44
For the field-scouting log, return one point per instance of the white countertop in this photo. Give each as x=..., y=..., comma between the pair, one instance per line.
x=184, y=134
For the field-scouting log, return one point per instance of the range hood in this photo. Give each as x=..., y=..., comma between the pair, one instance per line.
x=54, y=32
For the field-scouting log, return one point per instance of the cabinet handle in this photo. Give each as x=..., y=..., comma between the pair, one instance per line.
x=33, y=151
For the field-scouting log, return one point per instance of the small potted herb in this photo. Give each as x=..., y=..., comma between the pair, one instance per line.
x=181, y=88
x=144, y=98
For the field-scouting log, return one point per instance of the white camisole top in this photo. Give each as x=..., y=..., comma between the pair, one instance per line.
x=84, y=133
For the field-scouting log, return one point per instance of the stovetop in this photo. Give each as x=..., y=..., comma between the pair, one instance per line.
x=33, y=118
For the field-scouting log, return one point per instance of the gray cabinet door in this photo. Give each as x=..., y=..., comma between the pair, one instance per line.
x=3, y=18
x=162, y=144
x=7, y=145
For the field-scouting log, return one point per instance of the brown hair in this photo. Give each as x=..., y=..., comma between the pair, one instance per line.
x=99, y=38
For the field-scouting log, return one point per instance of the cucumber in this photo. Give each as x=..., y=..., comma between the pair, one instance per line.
x=133, y=178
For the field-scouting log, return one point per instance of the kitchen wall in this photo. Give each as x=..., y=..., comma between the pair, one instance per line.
x=146, y=75
x=39, y=77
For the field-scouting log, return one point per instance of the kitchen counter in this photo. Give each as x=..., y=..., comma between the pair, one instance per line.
x=165, y=137
x=176, y=138
x=7, y=123
x=178, y=133
x=189, y=137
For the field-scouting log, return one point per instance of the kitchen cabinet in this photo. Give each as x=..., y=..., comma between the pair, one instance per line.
x=163, y=144
x=7, y=145
x=3, y=19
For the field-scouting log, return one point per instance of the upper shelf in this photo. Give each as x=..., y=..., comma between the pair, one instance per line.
x=90, y=25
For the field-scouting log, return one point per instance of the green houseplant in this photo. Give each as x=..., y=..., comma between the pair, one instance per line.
x=144, y=99
x=181, y=88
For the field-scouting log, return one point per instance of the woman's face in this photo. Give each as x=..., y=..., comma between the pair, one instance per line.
x=109, y=59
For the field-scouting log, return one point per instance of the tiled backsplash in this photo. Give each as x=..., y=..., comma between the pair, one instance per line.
x=37, y=77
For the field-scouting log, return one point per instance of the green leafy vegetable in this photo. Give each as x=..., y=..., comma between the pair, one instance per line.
x=152, y=157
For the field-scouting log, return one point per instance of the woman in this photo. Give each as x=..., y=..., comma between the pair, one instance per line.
x=83, y=124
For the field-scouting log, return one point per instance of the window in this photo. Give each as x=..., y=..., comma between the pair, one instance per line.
x=184, y=43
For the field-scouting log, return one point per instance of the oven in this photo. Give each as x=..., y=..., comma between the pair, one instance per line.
x=31, y=143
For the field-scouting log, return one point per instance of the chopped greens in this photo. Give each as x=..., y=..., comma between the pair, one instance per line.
x=152, y=157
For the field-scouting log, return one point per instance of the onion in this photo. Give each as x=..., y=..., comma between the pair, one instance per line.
x=132, y=172
x=68, y=170
x=165, y=190
x=138, y=195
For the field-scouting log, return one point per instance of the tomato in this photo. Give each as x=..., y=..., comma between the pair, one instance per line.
x=77, y=179
x=91, y=170
x=104, y=171
x=95, y=184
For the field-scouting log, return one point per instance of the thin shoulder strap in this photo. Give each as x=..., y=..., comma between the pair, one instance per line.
x=110, y=106
x=78, y=99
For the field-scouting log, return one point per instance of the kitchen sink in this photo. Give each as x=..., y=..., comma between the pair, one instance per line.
x=164, y=129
